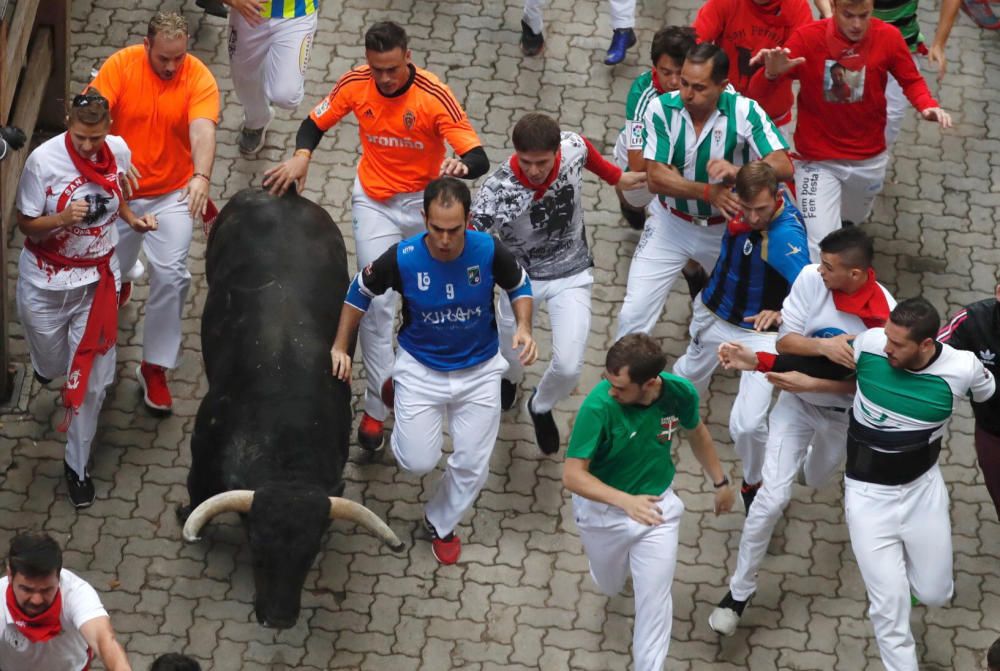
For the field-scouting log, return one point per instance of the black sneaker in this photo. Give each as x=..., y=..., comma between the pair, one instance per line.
x=749, y=492
x=696, y=278
x=726, y=616
x=81, y=492
x=532, y=43
x=546, y=431
x=635, y=218
x=508, y=394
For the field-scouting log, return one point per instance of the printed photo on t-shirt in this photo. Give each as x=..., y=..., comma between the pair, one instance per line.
x=841, y=85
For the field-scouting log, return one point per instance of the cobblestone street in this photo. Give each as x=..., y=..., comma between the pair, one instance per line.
x=521, y=596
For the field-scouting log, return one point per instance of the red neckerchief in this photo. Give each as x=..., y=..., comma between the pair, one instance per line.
x=539, y=189
x=103, y=172
x=852, y=55
x=656, y=84
x=40, y=628
x=770, y=12
x=737, y=226
x=101, y=331
x=868, y=302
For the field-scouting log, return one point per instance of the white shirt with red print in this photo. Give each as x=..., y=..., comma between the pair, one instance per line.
x=49, y=183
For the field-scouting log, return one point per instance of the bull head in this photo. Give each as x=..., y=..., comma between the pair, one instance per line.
x=285, y=526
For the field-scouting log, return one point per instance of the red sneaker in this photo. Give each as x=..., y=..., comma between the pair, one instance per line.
x=125, y=294
x=153, y=380
x=370, y=435
x=446, y=550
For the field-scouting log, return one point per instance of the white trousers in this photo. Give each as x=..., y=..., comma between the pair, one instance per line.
x=568, y=301
x=617, y=546
x=166, y=250
x=378, y=225
x=794, y=425
x=54, y=322
x=830, y=192
x=268, y=63
x=901, y=537
x=471, y=399
x=748, y=416
x=622, y=14
x=667, y=244
x=896, y=105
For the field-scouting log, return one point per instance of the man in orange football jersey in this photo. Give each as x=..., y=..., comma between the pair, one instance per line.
x=164, y=103
x=405, y=115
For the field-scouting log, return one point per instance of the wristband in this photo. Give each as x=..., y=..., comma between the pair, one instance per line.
x=203, y=176
x=722, y=483
x=704, y=193
x=302, y=152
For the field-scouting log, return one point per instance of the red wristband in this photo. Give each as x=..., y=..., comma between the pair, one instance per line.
x=765, y=362
x=704, y=193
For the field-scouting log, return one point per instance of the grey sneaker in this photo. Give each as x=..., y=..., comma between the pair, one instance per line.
x=252, y=139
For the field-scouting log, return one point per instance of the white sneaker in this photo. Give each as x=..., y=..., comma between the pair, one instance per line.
x=726, y=616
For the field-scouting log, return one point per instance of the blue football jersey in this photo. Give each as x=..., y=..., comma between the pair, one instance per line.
x=448, y=306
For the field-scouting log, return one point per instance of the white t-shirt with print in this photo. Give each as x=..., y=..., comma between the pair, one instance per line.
x=65, y=652
x=48, y=184
x=809, y=310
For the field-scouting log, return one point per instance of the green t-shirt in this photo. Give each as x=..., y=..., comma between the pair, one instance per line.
x=629, y=445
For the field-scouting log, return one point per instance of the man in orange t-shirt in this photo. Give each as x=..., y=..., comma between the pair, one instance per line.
x=165, y=104
x=405, y=115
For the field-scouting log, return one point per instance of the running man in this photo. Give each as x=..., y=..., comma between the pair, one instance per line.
x=405, y=115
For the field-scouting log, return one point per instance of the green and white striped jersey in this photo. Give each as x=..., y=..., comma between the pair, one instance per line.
x=903, y=15
x=739, y=131
x=893, y=399
x=642, y=93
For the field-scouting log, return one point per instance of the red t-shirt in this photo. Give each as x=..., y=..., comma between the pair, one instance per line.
x=742, y=28
x=831, y=124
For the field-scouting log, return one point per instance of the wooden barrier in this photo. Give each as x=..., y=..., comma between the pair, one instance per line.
x=34, y=84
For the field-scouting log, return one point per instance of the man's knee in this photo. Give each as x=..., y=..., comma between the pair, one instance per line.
x=567, y=369
x=417, y=459
x=287, y=94
x=771, y=502
x=934, y=595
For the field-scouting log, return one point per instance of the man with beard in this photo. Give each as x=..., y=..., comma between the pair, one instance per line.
x=164, y=103
x=896, y=502
x=51, y=620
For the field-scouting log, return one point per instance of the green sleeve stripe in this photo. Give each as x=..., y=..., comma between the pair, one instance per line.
x=763, y=133
x=701, y=173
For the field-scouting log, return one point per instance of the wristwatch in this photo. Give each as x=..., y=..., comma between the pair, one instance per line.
x=722, y=483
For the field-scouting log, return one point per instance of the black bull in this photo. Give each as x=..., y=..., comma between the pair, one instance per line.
x=272, y=433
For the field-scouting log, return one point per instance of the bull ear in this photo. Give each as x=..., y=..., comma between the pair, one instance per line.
x=345, y=509
x=235, y=501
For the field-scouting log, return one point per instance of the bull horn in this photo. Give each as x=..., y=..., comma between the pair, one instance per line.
x=235, y=501
x=345, y=509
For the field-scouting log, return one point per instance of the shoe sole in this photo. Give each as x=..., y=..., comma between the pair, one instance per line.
x=80, y=506
x=145, y=394
x=717, y=629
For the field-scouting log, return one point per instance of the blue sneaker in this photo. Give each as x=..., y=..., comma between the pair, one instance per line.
x=621, y=41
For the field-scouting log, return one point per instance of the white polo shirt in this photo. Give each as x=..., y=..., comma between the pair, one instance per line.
x=65, y=652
